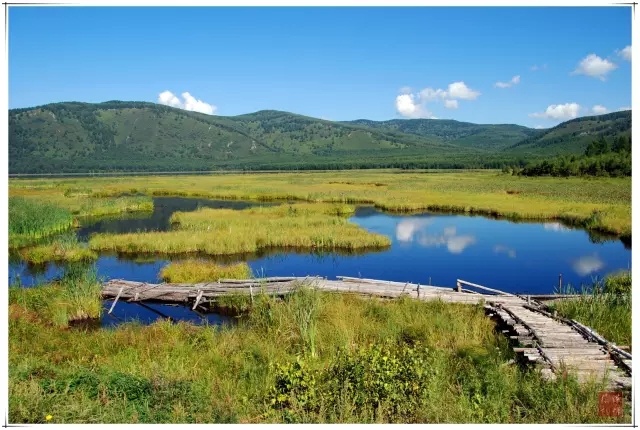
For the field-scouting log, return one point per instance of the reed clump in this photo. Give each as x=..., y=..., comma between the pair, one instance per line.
x=76, y=296
x=193, y=271
x=605, y=306
x=30, y=221
x=226, y=231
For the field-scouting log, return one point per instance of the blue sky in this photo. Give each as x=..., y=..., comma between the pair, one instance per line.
x=529, y=66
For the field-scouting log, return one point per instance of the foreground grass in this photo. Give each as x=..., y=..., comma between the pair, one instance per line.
x=30, y=221
x=227, y=231
x=314, y=357
x=602, y=204
x=605, y=307
x=192, y=271
x=75, y=297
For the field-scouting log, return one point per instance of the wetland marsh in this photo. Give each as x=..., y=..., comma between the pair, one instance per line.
x=385, y=225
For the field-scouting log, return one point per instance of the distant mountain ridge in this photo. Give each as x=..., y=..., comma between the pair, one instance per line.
x=142, y=136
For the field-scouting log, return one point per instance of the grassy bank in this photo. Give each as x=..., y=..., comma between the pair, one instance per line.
x=314, y=357
x=80, y=202
x=66, y=249
x=605, y=307
x=192, y=271
x=30, y=220
x=226, y=231
x=75, y=297
x=602, y=204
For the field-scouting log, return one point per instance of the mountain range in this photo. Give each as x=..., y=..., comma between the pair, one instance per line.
x=139, y=136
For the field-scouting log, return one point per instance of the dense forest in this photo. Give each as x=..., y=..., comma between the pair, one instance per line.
x=602, y=157
x=139, y=136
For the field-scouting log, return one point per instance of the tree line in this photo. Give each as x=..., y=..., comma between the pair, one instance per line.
x=602, y=157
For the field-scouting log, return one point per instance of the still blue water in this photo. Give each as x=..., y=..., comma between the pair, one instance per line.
x=428, y=248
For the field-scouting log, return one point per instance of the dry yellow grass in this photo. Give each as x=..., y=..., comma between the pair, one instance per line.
x=192, y=271
x=226, y=231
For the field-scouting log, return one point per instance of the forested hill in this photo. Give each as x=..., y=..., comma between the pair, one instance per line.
x=573, y=137
x=483, y=136
x=139, y=136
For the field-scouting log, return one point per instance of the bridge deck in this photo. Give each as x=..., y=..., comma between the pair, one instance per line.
x=559, y=346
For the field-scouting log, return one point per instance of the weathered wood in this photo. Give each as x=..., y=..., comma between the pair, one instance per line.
x=197, y=300
x=460, y=281
x=549, y=340
x=113, y=305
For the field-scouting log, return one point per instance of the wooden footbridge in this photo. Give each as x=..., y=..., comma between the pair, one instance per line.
x=557, y=345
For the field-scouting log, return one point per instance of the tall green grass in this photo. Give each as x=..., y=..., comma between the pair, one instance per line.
x=30, y=220
x=605, y=307
x=76, y=296
x=315, y=357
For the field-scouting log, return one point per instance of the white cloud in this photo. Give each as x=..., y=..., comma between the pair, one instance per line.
x=505, y=249
x=625, y=52
x=451, y=104
x=167, y=98
x=514, y=81
x=539, y=127
x=429, y=94
x=459, y=90
x=188, y=102
x=624, y=108
x=409, y=106
x=413, y=105
x=584, y=266
x=599, y=110
x=535, y=67
x=564, y=111
x=594, y=66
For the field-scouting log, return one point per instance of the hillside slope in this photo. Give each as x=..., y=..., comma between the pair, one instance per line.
x=139, y=136
x=480, y=136
x=572, y=137
x=66, y=137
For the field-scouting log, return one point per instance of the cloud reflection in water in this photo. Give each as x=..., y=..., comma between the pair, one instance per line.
x=416, y=229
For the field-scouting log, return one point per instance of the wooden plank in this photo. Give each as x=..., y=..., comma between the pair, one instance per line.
x=484, y=288
x=113, y=305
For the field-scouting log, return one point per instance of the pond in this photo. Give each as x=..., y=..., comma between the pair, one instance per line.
x=431, y=249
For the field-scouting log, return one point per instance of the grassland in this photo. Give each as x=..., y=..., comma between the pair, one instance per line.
x=598, y=204
x=192, y=271
x=314, y=357
x=80, y=201
x=605, y=307
x=226, y=231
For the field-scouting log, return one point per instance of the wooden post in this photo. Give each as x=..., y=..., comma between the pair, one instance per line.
x=418, y=290
x=251, y=294
x=459, y=285
x=116, y=300
x=197, y=300
x=403, y=288
x=528, y=299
